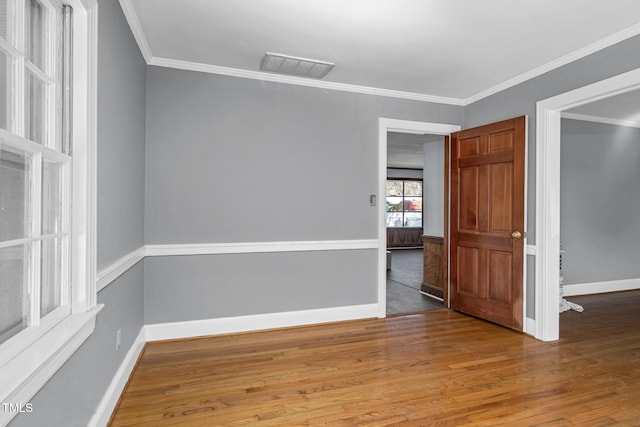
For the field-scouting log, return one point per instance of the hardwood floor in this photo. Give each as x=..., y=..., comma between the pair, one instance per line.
x=437, y=368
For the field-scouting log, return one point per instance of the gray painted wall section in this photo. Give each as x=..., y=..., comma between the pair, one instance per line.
x=72, y=395
x=199, y=287
x=521, y=100
x=121, y=136
x=433, y=188
x=236, y=160
x=600, y=202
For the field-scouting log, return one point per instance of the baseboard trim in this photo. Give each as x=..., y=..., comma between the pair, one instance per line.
x=529, y=326
x=111, y=396
x=227, y=325
x=601, y=287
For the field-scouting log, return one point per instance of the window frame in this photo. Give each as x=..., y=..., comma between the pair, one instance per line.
x=404, y=197
x=35, y=354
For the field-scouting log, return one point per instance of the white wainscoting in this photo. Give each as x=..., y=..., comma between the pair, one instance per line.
x=601, y=287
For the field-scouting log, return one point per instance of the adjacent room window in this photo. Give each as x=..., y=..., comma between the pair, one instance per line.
x=404, y=203
x=39, y=284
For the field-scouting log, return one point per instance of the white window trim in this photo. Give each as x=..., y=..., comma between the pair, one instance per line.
x=23, y=375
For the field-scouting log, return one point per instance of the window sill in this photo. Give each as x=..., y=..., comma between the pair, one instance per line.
x=25, y=374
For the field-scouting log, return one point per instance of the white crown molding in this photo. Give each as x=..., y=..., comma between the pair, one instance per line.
x=600, y=287
x=564, y=60
x=136, y=28
x=279, y=78
x=259, y=247
x=109, y=400
x=228, y=325
x=597, y=119
x=145, y=49
x=113, y=271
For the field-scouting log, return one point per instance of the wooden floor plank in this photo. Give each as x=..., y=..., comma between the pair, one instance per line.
x=437, y=368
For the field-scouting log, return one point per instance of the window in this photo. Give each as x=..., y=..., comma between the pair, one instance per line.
x=34, y=173
x=404, y=203
x=47, y=294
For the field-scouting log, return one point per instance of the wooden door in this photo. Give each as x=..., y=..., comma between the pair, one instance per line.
x=487, y=221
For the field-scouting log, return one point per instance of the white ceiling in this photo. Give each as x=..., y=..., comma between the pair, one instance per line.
x=453, y=51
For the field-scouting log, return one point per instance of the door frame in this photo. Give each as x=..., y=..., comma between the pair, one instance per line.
x=403, y=126
x=547, y=246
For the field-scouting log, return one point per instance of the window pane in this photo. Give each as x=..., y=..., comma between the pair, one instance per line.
x=14, y=308
x=51, y=275
x=394, y=188
x=413, y=219
x=394, y=204
x=412, y=205
x=51, y=198
x=6, y=20
x=394, y=219
x=35, y=33
x=413, y=188
x=35, y=107
x=14, y=195
x=6, y=75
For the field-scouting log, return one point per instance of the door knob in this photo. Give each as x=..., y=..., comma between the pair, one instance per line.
x=516, y=234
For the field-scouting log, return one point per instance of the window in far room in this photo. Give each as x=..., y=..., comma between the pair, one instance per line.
x=404, y=203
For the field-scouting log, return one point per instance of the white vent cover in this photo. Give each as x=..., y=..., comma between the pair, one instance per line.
x=302, y=67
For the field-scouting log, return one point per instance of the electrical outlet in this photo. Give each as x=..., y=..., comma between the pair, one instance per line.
x=118, y=338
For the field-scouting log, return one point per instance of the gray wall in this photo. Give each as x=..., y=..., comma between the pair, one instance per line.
x=236, y=160
x=434, y=188
x=73, y=393
x=521, y=100
x=600, y=202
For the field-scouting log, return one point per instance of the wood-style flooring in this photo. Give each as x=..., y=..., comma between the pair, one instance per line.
x=439, y=368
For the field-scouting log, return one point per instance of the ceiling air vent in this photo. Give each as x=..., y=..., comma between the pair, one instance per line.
x=301, y=67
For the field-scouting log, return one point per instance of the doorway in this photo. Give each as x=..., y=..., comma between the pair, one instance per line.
x=548, y=142
x=386, y=125
x=414, y=193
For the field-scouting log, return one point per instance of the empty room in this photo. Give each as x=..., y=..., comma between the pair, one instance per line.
x=194, y=212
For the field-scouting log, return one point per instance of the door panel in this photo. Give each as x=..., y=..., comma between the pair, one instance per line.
x=487, y=206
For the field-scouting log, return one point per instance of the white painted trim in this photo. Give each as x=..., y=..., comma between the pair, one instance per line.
x=548, y=191
x=111, y=396
x=113, y=271
x=136, y=29
x=394, y=125
x=300, y=81
x=557, y=63
x=601, y=287
x=529, y=326
x=531, y=250
x=23, y=376
x=258, y=247
x=228, y=325
x=597, y=119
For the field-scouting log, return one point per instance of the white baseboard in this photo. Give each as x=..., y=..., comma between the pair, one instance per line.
x=601, y=287
x=529, y=326
x=227, y=325
x=110, y=398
